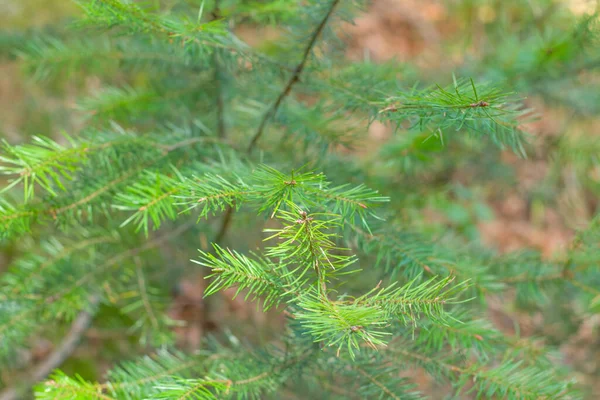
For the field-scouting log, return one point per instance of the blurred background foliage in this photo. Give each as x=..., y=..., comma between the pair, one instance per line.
x=547, y=51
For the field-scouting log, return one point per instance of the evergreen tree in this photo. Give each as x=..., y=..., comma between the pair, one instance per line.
x=197, y=142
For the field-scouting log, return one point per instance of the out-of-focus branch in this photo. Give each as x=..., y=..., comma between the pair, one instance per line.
x=218, y=77
x=59, y=355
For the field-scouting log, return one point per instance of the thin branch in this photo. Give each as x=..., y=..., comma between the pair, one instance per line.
x=225, y=223
x=430, y=360
x=188, y=142
x=146, y=379
x=55, y=211
x=59, y=355
x=125, y=255
x=380, y=385
x=253, y=379
x=63, y=254
x=369, y=237
x=528, y=278
x=293, y=79
x=469, y=370
x=144, y=294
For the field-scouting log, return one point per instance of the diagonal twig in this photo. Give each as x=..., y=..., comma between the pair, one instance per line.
x=293, y=79
x=273, y=110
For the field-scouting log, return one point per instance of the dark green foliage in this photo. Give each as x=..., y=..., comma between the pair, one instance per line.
x=251, y=156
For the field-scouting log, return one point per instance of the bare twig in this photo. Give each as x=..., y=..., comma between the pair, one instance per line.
x=288, y=87
x=205, y=320
x=225, y=222
x=293, y=79
x=59, y=355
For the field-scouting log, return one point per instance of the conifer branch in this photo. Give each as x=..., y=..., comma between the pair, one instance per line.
x=18, y=220
x=62, y=352
x=63, y=386
x=305, y=241
x=380, y=385
x=508, y=379
x=409, y=249
x=95, y=198
x=293, y=79
x=120, y=257
x=460, y=332
x=483, y=111
x=54, y=212
x=133, y=19
x=43, y=163
x=148, y=378
x=54, y=297
x=229, y=269
x=68, y=344
x=44, y=57
x=27, y=280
